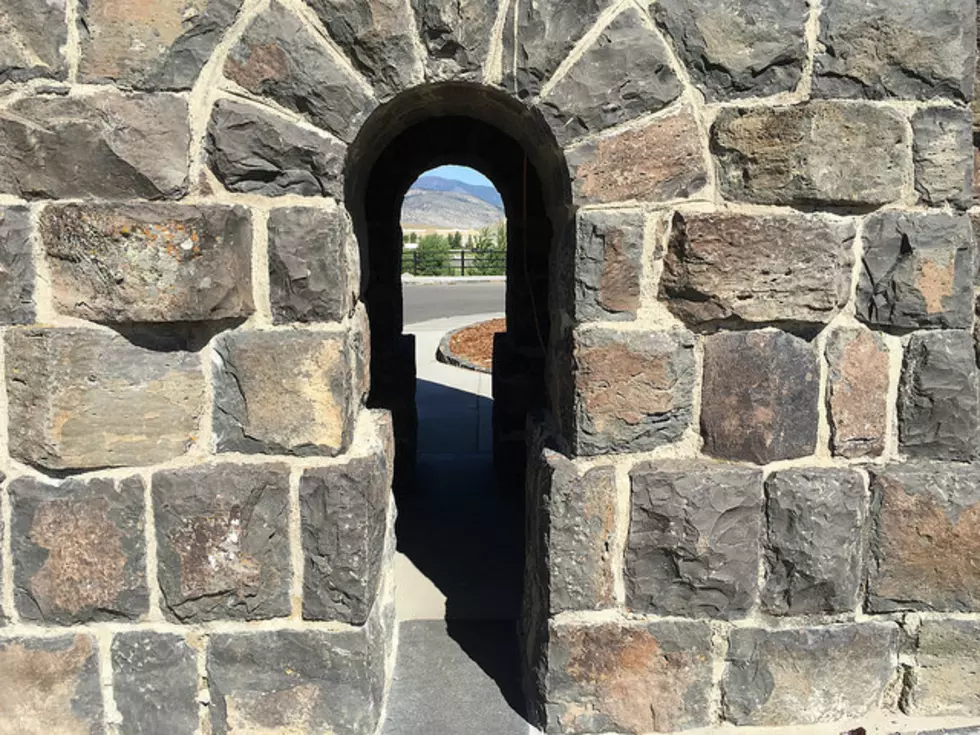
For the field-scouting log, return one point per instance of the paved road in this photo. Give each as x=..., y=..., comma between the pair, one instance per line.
x=425, y=301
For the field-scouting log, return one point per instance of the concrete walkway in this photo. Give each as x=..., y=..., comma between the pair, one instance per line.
x=459, y=565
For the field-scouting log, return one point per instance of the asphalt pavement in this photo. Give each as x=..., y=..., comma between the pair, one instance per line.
x=426, y=301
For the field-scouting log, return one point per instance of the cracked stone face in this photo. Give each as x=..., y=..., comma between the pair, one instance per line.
x=456, y=34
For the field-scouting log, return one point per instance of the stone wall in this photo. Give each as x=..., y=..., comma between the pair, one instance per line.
x=754, y=500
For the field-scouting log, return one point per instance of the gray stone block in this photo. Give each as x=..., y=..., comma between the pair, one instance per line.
x=946, y=680
x=738, y=49
x=154, y=683
x=17, y=269
x=943, y=156
x=32, y=37
x=127, y=263
x=457, y=36
x=857, y=392
x=759, y=399
x=815, y=541
x=608, y=265
x=694, y=541
x=222, y=539
x=254, y=151
x=937, y=397
x=917, y=271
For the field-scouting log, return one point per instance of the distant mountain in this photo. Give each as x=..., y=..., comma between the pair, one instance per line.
x=451, y=210
x=437, y=183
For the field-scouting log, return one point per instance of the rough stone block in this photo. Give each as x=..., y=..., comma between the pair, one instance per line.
x=457, y=36
x=283, y=392
x=222, y=535
x=162, y=44
x=106, y=145
x=946, y=681
x=32, y=36
x=814, y=550
x=344, y=512
x=624, y=74
x=50, y=685
x=311, y=273
x=694, y=541
x=759, y=399
x=656, y=163
x=902, y=49
x=279, y=58
x=925, y=538
x=808, y=675
x=16, y=266
x=937, y=397
x=917, y=271
x=819, y=153
x=85, y=399
x=734, y=269
x=79, y=550
x=254, y=151
x=149, y=262
x=577, y=511
x=738, y=49
x=943, y=156
x=608, y=265
x=857, y=392
x=633, y=390
x=635, y=678
x=294, y=681
x=154, y=683
x=379, y=38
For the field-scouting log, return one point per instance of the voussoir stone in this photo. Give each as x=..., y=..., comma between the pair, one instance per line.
x=744, y=48
x=84, y=399
x=79, y=550
x=636, y=678
x=154, y=682
x=378, y=37
x=824, y=153
x=312, y=269
x=344, y=517
x=901, y=49
x=857, y=392
x=283, y=392
x=17, y=268
x=760, y=396
x=624, y=74
x=162, y=44
x=925, y=538
x=943, y=156
x=815, y=538
x=917, y=271
x=633, y=390
x=662, y=161
x=808, y=675
x=32, y=36
x=946, y=681
x=106, y=145
x=255, y=151
x=937, y=397
x=223, y=542
x=51, y=685
x=608, y=265
x=734, y=269
x=295, y=681
x=149, y=262
x=280, y=58
x=457, y=36
x=694, y=539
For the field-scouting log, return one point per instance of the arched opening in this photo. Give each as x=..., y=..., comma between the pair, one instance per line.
x=481, y=128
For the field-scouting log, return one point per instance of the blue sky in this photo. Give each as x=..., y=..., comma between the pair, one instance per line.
x=461, y=173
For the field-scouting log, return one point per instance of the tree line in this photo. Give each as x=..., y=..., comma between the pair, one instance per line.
x=480, y=254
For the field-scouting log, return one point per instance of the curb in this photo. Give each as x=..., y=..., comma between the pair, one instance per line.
x=450, y=280
x=445, y=354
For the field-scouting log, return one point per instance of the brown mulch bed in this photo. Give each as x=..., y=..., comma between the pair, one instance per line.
x=475, y=344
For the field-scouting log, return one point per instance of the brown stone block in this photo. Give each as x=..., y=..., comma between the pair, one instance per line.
x=149, y=262
x=659, y=162
x=79, y=550
x=925, y=538
x=608, y=265
x=857, y=392
x=85, y=399
x=222, y=535
x=946, y=681
x=50, y=686
x=629, y=678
